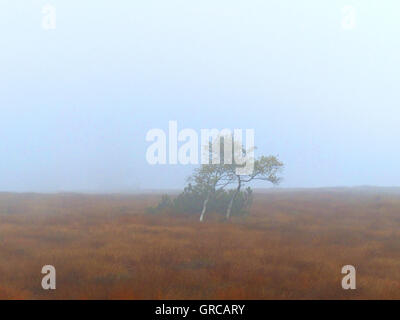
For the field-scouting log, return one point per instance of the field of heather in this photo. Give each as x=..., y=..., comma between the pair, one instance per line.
x=292, y=245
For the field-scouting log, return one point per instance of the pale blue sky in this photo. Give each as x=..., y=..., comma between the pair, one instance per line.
x=76, y=102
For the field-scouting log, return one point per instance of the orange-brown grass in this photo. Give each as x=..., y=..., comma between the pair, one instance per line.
x=292, y=245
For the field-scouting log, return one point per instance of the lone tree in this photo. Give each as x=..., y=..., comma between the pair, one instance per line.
x=222, y=174
x=228, y=163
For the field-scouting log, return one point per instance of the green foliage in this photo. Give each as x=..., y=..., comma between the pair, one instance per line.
x=191, y=200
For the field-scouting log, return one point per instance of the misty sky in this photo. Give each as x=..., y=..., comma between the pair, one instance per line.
x=76, y=102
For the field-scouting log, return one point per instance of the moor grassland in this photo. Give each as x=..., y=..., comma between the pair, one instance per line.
x=292, y=245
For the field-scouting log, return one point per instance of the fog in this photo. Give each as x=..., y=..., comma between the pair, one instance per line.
x=77, y=102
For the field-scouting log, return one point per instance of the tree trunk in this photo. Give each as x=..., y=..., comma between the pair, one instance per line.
x=204, y=207
x=229, y=210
